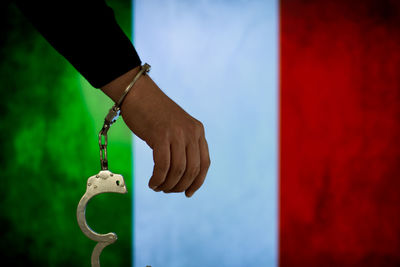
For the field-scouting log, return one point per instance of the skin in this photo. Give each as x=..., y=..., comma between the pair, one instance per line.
x=180, y=150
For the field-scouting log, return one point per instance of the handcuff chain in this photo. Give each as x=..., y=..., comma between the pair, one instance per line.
x=113, y=115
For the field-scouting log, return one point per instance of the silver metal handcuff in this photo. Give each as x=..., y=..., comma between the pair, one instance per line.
x=105, y=181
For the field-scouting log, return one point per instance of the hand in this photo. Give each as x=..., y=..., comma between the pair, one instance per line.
x=180, y=150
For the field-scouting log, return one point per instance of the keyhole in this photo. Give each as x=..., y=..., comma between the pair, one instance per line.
x=117, y=182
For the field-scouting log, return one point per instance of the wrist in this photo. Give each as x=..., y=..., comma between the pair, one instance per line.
x=116, y=88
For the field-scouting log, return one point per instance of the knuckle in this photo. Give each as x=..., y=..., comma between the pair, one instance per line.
x=178, y=133
x=193, y=172
x=198, y=128
x=161, y=136
x=206, y=163
x=178, y=170
x=161, y=167
x=195, y=129
x=201, y=128
x=192, y=138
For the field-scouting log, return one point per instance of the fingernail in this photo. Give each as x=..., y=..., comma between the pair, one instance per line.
x=188, y=195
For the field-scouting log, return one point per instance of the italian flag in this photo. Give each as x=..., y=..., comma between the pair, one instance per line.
x=300, y=100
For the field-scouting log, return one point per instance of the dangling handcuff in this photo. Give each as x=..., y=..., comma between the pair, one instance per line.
x=105, y=181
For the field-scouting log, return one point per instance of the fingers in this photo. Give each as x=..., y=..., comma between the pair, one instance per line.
x=192, y=168
x=177, y=167
x=204, y=165
x=161, y=157
x=181, y=163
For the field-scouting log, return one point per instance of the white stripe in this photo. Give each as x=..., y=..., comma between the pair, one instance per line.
x=218, y=60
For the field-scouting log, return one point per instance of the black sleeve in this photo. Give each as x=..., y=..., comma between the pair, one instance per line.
x=86, y=33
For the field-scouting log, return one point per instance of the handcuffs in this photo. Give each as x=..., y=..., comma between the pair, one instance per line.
x=105, y=181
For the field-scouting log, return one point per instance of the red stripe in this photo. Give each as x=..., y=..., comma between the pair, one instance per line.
x=340, y=133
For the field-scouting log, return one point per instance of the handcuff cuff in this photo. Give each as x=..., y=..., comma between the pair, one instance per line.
x=105, y=181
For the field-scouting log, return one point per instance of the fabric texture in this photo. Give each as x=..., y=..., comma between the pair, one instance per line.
x=86, y=34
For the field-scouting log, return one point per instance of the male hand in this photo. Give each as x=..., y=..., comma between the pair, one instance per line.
x=180, y=150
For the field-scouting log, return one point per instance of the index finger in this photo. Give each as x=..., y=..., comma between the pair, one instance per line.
x=161, y=157
x=204, y=165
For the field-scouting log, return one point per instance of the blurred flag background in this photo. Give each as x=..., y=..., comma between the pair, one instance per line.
x=301, y=105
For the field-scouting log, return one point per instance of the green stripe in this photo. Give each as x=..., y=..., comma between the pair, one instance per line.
x=48, y=138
